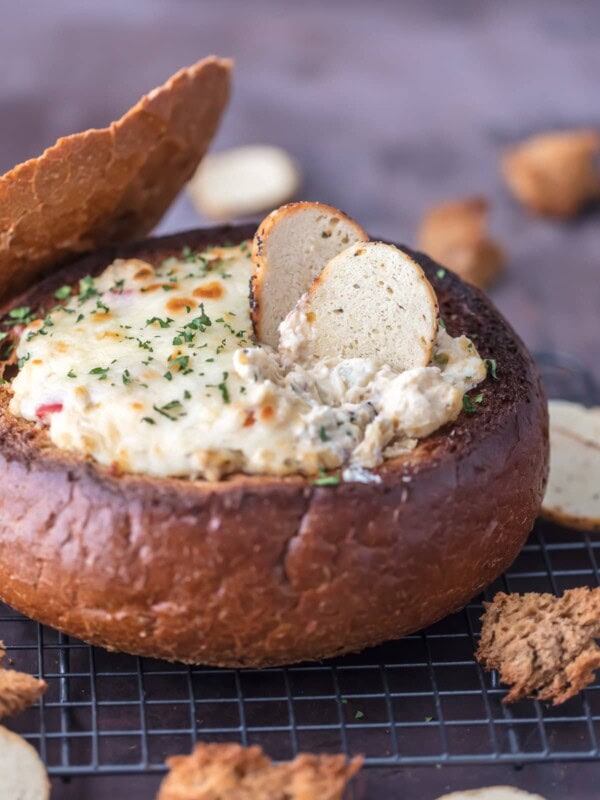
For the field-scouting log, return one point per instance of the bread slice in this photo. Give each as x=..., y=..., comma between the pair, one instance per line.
x=232, y=772
x=555, y=174
x=290, y=249
x=370, y=301
x=109, y=185
x=22, y=774
x=492, y=793
x=573, y=492
x=244, y=180
x=541, y=644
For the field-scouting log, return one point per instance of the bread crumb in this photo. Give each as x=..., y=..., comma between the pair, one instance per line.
x=18, y=691
x=555, y=174
x=455, y=234
x=541, y=644
x=232, y=772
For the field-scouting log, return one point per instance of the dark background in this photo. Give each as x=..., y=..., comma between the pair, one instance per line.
x=389, y=106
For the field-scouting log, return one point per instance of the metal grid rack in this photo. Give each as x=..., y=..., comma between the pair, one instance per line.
x=420, y=700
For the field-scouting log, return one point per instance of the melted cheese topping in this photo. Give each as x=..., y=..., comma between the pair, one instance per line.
x=153, y=370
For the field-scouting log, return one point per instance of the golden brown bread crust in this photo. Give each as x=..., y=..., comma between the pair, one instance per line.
x=109, y=185
x=541, y=644
x=18, y=690
x=259, y=570
x=232, y=772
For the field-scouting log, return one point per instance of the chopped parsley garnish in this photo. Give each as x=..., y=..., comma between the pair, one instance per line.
x=63, y=293
x=181, y=362
x=359, y=714
x=87, y=289
x=222, y=387
x=441, y=323
x=173, y=410
x=71, y=374
x=479, y=399
x=168, y=375
x=21, y=314
x=441, y=273
x=3, y=336
x=164, y=323
x=101, y=307
x=23, y=359
x=117, y=287
x=101, y=372
x=187, y=395
x=149, y=420
x=428, y=719
x=323, y=436
x=126, y=377
x=468, y=405
x=490, y=364
x=326, y=480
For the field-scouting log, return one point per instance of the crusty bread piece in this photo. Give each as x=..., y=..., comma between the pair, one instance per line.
x=18, y=690
x=22, y=774
x=492, y=793
x=555, y=174
x=243, y=181
x=330, y=569
x=573, y=492
x=109, y=185
x=541, y=644
x=371, y=301
x=455, y=234
x=290, y=248
x=232, y=772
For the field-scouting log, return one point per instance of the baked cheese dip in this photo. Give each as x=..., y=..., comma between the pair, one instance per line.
x=153, y=370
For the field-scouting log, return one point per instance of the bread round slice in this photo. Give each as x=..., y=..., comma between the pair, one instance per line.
x=243, y=181
x=492, y=793
x=290, y=249
x=258, y=571
x=573, y=493
x=22, y=774
x=371, y=301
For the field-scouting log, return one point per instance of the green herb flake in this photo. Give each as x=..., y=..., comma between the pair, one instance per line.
x=358, y=714
x=62, y=293
x=479, y=399
x=323, y=436
x=172, y=410
x=222, y=387
x=149, y=420
x=101, y=372
x=441, y=323
x=3, y=336
x=468, y=405
x=164, y=323
x=126, y=377
x=20, y=314
x=187, y=395
x=168, y=375
x=441, y=273
x=326, y=480
x=71, y=374
x=490, y=364
x=87, y=289
x=428, y=719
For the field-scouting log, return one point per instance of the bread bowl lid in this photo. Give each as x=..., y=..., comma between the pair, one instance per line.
x=109, y=185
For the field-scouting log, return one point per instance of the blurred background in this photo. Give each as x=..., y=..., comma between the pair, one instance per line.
x=388, y=106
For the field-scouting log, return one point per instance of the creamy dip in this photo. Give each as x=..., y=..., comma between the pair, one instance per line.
x=153, y=370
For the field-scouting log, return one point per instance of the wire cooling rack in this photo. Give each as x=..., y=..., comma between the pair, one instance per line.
x=420, y=700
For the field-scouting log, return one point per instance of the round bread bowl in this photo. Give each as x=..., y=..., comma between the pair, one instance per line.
x=258, y=571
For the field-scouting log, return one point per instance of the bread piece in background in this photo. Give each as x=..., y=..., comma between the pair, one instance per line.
x=22, y=773
x=232, y=772
x=573, y=492
x=243, y=181
x=455, y=234
x=555, y=174
x=543, y=646
x=492, y=793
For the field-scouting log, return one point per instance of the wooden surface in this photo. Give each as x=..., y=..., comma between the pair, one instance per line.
x=389, y=106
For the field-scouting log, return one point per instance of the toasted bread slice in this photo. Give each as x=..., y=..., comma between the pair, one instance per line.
x=22, y=774
x=232, y=772
x=573, y=492
x=492, y=793
x=290, y=249
x=244, y=180
x=371, y=301
x=108, y=185
x=541, y=644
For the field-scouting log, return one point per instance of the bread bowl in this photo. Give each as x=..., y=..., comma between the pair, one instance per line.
x=256, y=570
